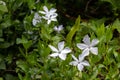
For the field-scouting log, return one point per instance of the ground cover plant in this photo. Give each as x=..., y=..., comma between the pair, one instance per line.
x=47, y=40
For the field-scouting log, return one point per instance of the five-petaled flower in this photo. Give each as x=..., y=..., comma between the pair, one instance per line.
x=88, y=46
x=80, y=62
x=50, y=15
x=61, y=52
x=36, y=19
x=59, y=28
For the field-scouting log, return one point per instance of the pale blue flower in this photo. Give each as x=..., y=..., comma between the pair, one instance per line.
x=59, y=28
x=80, y=62
x=36, y=19
x=61, y=52
x=49, y=15
x=88, y=46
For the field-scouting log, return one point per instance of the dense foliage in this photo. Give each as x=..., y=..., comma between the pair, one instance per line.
x=27, y=42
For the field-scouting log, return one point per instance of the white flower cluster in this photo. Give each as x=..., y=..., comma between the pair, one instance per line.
x=87, y=47
x=49, y=15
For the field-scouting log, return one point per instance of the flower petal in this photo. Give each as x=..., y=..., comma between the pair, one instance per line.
x=54, y=55
x=45, y=17
x=60, y=27
x=61, y=45
x=36, y=19
x=34, y=22
x=80, y=67
x=86, y=40
x=36, y=15
x=81, y=57
x=85, y=52
x=52, y=10
x=94, y=50
x=94, y=42
x=81, y=46
x=66, y=50
x=85, y=63
x=49, y=21
x=53, y=48
x=74, y=63
x=62, y=56
x=53, y=19
x=45, y=8
x=74, y=58
x=42, y=12
x=55, y=28
x=54, y=15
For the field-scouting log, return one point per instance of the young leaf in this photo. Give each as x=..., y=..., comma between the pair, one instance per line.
x=109, y=34
x=27, y=45
x=73, y=30
x=116, y=25
x=101, y=30
x=23, y=65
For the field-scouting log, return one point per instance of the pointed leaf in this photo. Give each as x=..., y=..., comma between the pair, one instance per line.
x=116, y=25
x=73, y=30
x=3, y=8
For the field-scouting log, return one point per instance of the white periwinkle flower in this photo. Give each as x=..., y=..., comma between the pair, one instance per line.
x=59, y=28
x=50, y=15
x=88, y=46
x=36, y=19
x=80, y=62
x=61, y=52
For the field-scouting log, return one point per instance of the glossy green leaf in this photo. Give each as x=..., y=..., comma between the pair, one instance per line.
x=3, y=8
x=32, y=58
x=23, y=65
x=73, y=30
x=116, y=25
x=27, y=45
x=109, y=34
x=1, y=78
x=23, y=40
x=2, y=65
x=20, y=76
x=101, y=30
